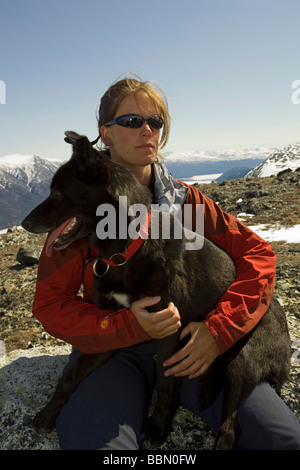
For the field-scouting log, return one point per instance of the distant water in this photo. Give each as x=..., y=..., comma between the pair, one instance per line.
x=201, y=178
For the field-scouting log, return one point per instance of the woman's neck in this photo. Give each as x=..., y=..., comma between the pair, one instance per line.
x=143, y=174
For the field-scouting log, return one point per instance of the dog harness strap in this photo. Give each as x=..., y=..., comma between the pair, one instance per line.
x=132, y=247
x=96, y=140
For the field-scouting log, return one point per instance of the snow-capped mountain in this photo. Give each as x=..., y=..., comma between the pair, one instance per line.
x=24, y=183
x=30, y=169
x=288, y=157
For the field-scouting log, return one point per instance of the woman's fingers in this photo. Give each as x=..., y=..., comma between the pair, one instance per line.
x=156, y=324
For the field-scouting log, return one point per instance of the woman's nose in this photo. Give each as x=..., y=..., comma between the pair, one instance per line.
x=146, y=129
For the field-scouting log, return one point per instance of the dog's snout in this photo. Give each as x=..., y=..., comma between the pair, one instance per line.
x=29, y=225
x=26, y=224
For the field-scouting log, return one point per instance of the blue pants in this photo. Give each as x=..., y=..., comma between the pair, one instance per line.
x=107, y=410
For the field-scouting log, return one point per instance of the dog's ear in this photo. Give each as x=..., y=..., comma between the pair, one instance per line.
x=71, y=137
x=74, y=138
x=87, y=158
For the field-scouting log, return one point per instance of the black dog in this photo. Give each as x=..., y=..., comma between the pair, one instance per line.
x=193, y=279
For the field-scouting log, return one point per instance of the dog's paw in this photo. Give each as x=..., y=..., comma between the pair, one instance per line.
x=43, y=423
x=155, y=434
x=147, y=444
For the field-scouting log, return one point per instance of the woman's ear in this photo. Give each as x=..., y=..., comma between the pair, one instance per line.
x=105, y=136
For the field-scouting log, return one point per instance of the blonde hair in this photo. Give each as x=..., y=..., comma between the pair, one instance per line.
x=111, y=100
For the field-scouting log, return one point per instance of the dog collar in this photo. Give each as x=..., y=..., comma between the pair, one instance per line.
x=132, y=248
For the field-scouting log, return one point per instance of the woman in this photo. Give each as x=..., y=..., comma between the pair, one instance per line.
x=108, y=408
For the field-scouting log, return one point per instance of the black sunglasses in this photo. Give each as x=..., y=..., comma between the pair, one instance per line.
x=134, y=121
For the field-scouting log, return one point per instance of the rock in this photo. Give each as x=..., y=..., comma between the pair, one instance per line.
x=27, y=379
x=257, y=207
x=271, y=199
x=28, y=255
x=12, y=229
x=9, y=287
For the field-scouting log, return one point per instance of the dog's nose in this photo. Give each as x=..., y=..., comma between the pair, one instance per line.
x=26, y=224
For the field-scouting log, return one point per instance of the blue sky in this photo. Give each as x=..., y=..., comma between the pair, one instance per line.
x=226, y=67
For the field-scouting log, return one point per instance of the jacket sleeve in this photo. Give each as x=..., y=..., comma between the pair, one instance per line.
x=69, y=316
x=248, y=298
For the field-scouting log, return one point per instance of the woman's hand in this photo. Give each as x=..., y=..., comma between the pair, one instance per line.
x=196, y=356
x=156, y=324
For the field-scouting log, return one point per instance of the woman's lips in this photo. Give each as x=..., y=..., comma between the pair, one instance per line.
x=149, y=146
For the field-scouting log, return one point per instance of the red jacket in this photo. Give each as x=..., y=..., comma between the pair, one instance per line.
x=67, y=315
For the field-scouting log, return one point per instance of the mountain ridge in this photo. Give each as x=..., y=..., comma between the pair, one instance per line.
x=286, y=158
x=24, y=183
x=25, y=179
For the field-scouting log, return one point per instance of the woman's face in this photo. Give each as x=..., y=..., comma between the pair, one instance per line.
x=135, y=149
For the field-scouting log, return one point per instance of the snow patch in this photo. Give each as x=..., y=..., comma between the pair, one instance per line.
x=274, y=234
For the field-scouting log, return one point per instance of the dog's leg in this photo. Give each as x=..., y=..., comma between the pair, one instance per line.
x=228, y=431
x=239, y=381
x=44, y=421
x=158, y=426
x=261, y=355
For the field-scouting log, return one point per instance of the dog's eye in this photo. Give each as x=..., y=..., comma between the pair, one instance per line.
x=56, y=195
